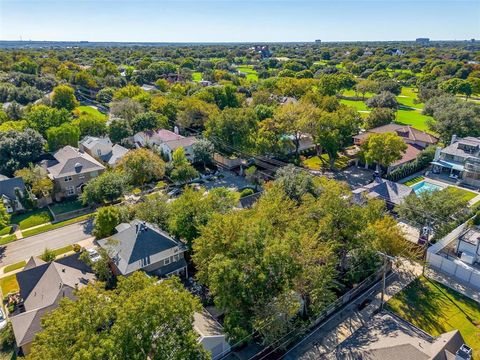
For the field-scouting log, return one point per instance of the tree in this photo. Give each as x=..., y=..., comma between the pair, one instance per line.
x=118, y=130
x=142, y=166
x=295, y=182
x=253, y=176
x=106, y=219
x=192, y=210
x=436, y=209
x=37, y=179
x=378, y=117
x=365, y=86
x=140, y=320
x=18, y=149
x=195, y=112
x=232, y=129
x=42, y=118
x=107, y=187
x=457, y=86
x=383, y=149
x=4, y=216
x=65, y=134
x=154, y=209
x=92, y=125
x=126, y=109
x=148, y=121
x=101, y=267
x=64, y=98
x=384, y=99
x=182, y=170
x=203, y=151
x=48, y=255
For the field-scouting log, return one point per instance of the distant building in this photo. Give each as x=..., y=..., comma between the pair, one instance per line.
x=422, y=40
x=10, y=189
x=212, y=337
x=318, y=41
x=168, y=141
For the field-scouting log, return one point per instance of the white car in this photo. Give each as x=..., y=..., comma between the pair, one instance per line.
x=3, y=321
x=93, y=255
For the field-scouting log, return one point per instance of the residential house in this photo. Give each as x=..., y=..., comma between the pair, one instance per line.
x=103, y=149
x=10, y=190
x=460, y=160
x=42, y=286
x=154, y=137
x=468, y=245
x=71, y=169
x=212, y=336
x=415, y=139
x=168, y=147
x=391, y=192
x=386, y=336
x=141, y=246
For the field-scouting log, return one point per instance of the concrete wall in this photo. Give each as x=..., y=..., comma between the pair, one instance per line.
x=455, y=268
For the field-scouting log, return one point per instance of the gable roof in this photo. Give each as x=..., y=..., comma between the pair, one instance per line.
x=8, y=186
x=90, y=142
x=71, y=161
x=183, y=142
x=404, y=131
x=116, y=154
x=137, y=245
x=42, y=287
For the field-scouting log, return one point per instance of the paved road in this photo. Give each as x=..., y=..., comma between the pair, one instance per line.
x=34, y=245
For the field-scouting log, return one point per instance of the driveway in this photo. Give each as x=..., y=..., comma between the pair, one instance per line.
x=34, y=245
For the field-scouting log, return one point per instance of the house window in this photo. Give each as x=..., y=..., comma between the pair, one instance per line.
x=176, y=257
x=99, y=152
x=81, y=176
x=68, y=178
x=166, y=261
x=70, y=190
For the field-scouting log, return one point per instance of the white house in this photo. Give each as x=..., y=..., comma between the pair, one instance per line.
x=211, y=334
x=186, y=143
x=154, y=137
x=102, y=149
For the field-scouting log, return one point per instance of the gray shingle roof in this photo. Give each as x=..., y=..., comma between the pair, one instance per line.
x=175, y=144
x=138, y=245
x=388, y=190
x=8, y=186
x=116, y=154
x=66, y=160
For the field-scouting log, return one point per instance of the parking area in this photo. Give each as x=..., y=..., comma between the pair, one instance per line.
x=226, y=179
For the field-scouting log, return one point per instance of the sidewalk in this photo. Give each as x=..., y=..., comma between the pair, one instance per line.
x=338, y=328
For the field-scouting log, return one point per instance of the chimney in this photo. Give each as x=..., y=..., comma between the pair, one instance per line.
x=175, y=130
x=464, y=353
x=63, y=270
x=454, y=139
x=438, y=150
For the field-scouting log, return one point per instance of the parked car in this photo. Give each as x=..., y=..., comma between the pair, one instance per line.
x=93, y=255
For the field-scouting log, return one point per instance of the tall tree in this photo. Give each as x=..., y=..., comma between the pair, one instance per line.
x=64, y=98
x=383, y=149
x=142, y=166
x=18, y=149
x=65, y=134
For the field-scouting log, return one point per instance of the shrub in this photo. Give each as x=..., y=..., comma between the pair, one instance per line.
x=76, y=248
x=246, y=192
x=136, y=191
x=48, y=255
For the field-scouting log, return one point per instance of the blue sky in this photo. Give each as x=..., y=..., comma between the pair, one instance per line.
x=237, y=21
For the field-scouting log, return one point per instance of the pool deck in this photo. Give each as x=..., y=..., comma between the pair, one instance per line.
x=446, y=184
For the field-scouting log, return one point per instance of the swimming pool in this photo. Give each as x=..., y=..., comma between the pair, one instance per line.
x=423, y=186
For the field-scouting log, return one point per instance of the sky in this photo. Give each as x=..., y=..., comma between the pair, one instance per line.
x=238, y=20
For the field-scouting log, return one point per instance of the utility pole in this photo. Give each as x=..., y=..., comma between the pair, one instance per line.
x=384, y=275
x=425, y=248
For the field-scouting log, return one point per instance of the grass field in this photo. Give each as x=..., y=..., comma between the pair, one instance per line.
x=316, y=163
x=413, y=118
x=436, y=309
x=413, y=181
x=66, y=206
x=90, y=110
x=16, y=266
x=60, y=224
x=407, y=97
x=359, y=105
x=467, y=195
x=251, y=73
x=197, y=76
x=8, y=239
x=31, y=218
x=63, y=250
x=9, y=284
x=6, y=230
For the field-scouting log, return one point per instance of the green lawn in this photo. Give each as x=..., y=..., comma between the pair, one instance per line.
x=467, y=194
x=414, y=118
x=5, y=231
x=316, y=163
x=413, y=181
x=436, y=309
x=359, y=105
x=9, y=284
x=91, y=111
x=60, y=224
x=16, y=266
x=66, y=206
x=8, y=239
x=197, y=76
x=31, y=218
x=63, y=250
x=407, y=97
x=251, y=73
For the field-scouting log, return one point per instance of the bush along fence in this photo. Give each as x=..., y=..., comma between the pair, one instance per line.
x=420, y=163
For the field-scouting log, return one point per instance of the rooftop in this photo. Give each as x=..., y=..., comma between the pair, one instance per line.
x=404, y=131
x=70, y=161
